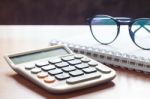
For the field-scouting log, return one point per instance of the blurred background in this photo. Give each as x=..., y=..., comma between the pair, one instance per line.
x=67, y=12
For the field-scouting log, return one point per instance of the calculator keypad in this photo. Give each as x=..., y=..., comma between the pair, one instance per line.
x=72, y=68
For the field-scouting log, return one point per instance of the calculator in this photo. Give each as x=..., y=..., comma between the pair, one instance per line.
x=58, y=70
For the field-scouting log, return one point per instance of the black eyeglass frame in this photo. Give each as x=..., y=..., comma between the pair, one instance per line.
x=119, y=21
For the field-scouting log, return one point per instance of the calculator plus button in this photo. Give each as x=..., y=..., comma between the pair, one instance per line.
x=103, y=68
x=42, y=63
x=74, y=62
x=76, y=73
x=83, y=78
x=85, y=59
x=62, y=64
x=49, y=67
x=42, y=75
x=56, y=60
x=35, y=70
x=89, y=70
x=29, y=67
x=78, y=56
x=69, y=68
x=49, y=79
x=55, y=71
x=93, y=63
x=67, y=58
x=81, y=66
x=62, y=76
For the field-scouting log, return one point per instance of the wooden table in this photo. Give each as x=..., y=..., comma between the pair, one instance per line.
x=126, y=85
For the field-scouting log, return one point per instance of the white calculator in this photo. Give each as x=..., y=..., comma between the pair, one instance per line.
x=58, y=70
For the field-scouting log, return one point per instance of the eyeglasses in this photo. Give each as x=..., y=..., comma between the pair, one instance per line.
x=105, y=29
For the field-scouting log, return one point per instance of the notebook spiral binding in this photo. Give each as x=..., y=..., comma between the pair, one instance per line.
x=117, y=59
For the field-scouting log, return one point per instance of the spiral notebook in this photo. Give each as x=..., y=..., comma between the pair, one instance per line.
x=110, y=57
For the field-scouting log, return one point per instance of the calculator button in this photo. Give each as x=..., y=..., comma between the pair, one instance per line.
x=103, y=68
x=35, y=70
x=67, y=58
x=93, y=63
x=83, y=78
x=76, y=73
x=89, y=70
x=81, y=66
x=85, y=59
x=78, y=56
x=49, y=67
x=56, y=60
x=42, y=63
x=62, y=64
x=62, y=76
x=42, y=75
x=49, y=79
x=69, y=68
x=74, y=62
x=29, y=67
x=55, y=71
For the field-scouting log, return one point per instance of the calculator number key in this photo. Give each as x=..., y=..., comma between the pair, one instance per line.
x=67, y=58
x=62, y=64
x=89, y=70
x=56, y=60
x=81, y=66
x=69, y=68
x=103, y=68
x=36, y=70
x=74, y=62
x=49, y=67
x=42, y=63
x=85, y=60
x=93, y=63
x=62, y=76
x=76, y=73
x=29, y=67
x=78, y=56
x=55, y=71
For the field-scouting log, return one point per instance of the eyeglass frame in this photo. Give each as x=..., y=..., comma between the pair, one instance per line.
x=119, y=21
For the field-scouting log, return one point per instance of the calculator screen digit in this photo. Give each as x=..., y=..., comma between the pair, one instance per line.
x=18, y=59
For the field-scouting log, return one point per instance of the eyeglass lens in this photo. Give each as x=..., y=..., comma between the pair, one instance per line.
x=104, y=29
x=141, y=31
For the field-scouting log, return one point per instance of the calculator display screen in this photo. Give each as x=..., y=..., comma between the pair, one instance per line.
x=18, y=59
